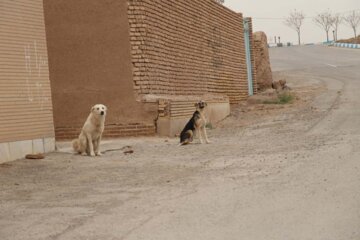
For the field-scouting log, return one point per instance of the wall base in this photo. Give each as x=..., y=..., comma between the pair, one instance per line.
x=17, y=150
x=111, y=131
x=172, y=126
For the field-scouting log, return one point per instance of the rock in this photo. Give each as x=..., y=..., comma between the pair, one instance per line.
x=127, y=150
x=280, y=85
x=276, y=85
x=262, y=61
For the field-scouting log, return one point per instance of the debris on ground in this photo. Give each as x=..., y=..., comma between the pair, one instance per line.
x=35, y=156
x=126, y=150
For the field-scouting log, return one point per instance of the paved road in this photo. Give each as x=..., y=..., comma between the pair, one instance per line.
x=333, y=211
x=315, y=58
x=272, y=172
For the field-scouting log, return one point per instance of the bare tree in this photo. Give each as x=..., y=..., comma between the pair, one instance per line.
x=295, y=21
x=325, y=21
x=353, y=20
x=337, y=20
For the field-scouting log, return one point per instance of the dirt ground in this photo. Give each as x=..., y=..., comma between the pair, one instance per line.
x=269, y=173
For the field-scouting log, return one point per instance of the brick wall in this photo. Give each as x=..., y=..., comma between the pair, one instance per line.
x=111, y=131
x=90, y=62
x=185, y=107
x=182, y=47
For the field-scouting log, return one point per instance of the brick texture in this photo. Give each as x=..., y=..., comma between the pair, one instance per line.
x=182, y=47
x=174, y=108
x=111, y=131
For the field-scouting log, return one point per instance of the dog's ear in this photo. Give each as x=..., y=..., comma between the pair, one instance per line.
x=93, y=108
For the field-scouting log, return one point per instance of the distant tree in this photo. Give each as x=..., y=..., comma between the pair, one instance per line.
x=295, y=20
x=353, y=20
x=325, y=21
x=337, y=20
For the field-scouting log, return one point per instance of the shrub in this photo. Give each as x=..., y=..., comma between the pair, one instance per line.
x=282, y=98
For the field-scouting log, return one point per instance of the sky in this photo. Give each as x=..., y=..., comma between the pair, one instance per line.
x=268, y=17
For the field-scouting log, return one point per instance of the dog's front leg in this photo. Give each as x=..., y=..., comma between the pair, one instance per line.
x=91, y=146
x=198, y=133
x=97, y=146
x=203, y=129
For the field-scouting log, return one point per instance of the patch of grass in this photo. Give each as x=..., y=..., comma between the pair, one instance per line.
x=209, y=126
x=285, y=98
x=282, y=98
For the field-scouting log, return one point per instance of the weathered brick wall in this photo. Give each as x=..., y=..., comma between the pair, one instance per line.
x=111, y=131
x=90, y=62
x=184, y=107
x=182, y=47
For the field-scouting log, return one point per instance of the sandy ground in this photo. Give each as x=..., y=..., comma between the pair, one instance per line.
x=271, y=172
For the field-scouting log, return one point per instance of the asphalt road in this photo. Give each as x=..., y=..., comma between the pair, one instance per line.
x=314, y=58
x=288, y=172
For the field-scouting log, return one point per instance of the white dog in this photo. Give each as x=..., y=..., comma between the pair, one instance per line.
x=90, y=136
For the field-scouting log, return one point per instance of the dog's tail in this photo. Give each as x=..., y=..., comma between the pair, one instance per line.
x=185, y=142
x=76, y=145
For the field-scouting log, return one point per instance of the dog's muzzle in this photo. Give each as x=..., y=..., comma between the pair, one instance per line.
x=102, y=113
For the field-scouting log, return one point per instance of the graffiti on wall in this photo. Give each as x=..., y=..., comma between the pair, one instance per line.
x=215, y=43
x=35, y=65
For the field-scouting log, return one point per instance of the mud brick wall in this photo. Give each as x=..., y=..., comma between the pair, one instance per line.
x=182, y=47
x=184, y=107
x=90, y=62
x=111, y=131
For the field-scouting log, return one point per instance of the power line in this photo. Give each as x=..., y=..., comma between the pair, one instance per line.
x=283, y=18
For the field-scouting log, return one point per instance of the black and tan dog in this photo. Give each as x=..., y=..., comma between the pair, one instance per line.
x=196, y=125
